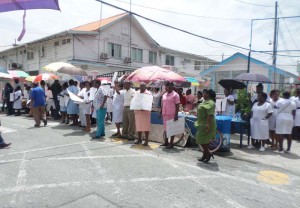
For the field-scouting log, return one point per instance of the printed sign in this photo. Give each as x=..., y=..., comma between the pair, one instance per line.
x=175, y=127
x=221, y=105
x=141, y=101
x=75, y=98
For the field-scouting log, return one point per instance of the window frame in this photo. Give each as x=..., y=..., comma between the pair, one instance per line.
x=135, y=56
x=112, y=50
x=154, y=57
x=172, y=60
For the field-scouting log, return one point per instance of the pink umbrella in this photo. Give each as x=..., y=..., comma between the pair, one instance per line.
x=154, y=73
x=104, y=79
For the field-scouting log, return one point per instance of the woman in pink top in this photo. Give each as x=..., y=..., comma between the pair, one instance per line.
x=190, y=99
x=142, y=119
x=169, y=109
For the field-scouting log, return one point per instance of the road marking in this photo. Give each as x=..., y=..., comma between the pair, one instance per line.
x=273, y=177
x=97, y=157
x=22, y=188
x=151, y=146
x=46, y=148
x=6, y=130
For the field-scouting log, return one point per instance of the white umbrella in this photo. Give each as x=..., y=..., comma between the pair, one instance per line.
x=65, y=68
x=54, y=67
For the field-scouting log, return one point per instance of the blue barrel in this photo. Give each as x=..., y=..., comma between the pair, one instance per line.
x=224, y=125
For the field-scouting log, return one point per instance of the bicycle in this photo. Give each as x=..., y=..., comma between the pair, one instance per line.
x=182, y=139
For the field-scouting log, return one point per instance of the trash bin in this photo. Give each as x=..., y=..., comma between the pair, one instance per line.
x=224, y=125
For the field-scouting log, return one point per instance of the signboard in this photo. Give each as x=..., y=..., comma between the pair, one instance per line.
x=114, y=79
x=221, y=105
x=75, y=98
x=141, y=101
x=175, y=127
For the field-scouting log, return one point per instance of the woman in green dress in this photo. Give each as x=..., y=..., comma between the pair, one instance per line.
x=206, y=123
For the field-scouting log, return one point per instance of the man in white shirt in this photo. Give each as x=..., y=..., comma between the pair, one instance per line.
x=128, y=115
x=259, y=90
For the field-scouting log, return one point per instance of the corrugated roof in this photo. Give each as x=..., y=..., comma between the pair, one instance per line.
x=94, y=26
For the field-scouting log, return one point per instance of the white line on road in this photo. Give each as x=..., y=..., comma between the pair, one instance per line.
x=22, y=188
x=46, y=148
x=96, y=157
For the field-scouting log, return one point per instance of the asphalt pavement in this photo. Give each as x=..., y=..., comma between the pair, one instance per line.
x=60, y=166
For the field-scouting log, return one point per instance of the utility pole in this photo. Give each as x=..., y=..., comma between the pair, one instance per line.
x=275, y=44
x=130, y=24
x=222, y=56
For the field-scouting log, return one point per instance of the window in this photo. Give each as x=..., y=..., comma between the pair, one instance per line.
x=197, y=65
x=64, y=41
x=43, y=51
x=114, y=50
x=170, y=60
x=137, y=54
x=24, y=52
x=21, y=52
x=68, y=40
x=152, y=57
x=29, y=55
x=56, y=43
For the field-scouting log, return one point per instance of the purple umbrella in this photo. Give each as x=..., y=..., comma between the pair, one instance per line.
x=12, y=5
x=253, y=77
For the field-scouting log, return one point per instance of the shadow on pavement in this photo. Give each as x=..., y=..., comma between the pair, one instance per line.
x=211, y=165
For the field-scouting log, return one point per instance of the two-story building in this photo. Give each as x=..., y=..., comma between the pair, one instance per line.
x=104, y=46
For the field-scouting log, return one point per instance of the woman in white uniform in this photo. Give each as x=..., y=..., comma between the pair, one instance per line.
x=87, y=106
x=17, y=100
x=118, y=107
x=261, y=112
x=110, y=105
x=49, y=100
x=274, y=94
x=297, y=116
x=285, y=120
x=81, y=113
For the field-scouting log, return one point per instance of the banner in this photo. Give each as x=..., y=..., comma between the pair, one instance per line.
x=175, y=127
x=141, y=101
x=221, y=105
x=75, y=98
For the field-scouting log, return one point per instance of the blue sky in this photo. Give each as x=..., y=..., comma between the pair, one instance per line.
x=41, y=23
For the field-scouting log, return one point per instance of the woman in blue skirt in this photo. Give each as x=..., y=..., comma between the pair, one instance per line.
x=73, y=108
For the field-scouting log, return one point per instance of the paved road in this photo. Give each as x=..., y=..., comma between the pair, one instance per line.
x=59, y=166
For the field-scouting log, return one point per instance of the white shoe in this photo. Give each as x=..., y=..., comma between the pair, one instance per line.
x=250, y=146
x=279, y=152
x=262, y=149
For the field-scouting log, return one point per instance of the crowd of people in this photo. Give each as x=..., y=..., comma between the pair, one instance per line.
x=271, y=117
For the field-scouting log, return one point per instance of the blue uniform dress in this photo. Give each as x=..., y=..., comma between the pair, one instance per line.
x=72, y=108
x=101, y=112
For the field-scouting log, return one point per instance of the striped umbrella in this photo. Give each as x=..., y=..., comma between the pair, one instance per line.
x=192, y=80
x=18, y=74
x=30, y=78
x=45, y=77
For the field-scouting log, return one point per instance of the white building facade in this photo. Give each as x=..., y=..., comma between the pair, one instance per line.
x=106, y=46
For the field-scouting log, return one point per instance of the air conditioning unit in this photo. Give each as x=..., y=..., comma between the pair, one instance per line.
x=14, y=65
x=19, y=66
x=104, y=56
x=127, y=60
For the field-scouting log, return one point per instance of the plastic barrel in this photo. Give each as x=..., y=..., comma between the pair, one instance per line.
x=224, y=125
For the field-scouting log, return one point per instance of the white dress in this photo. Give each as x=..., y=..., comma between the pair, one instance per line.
x=118, y=107
x=110, y=101
x=285, y=120
x=230, y=109
x=49, y=100
x=272, y=119
x=87, y=106
x=259, y=126
x=18, y=103
x=297, y=117
x=156, y=99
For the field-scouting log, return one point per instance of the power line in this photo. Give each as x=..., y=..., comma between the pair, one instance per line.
x=185, y=14
x=288, y=29
x=253, y=4
x=172, y=27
